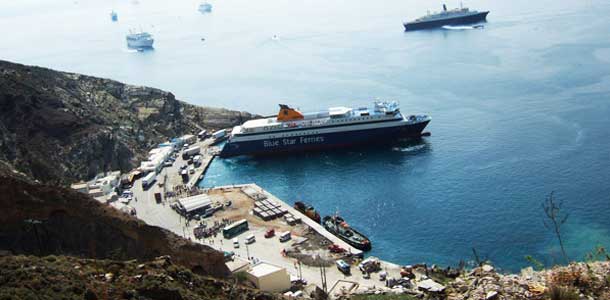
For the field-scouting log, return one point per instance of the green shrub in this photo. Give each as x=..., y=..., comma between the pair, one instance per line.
x=563, y=293
x=536, y=264
x=241, y=277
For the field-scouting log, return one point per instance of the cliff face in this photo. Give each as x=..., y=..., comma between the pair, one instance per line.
x=42, y=220
x=62, y=127
x=60, y=277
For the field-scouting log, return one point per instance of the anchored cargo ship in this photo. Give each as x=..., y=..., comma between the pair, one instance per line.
x=337, y=226
x=292, y=130
x=456, y=16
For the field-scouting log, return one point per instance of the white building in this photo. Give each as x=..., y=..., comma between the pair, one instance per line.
x=156, y=158
x=194, y=203
x=81, y=187
x=106, y=182
x=269, y=278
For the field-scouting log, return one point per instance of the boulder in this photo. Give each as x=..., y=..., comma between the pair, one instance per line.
x=430, y=286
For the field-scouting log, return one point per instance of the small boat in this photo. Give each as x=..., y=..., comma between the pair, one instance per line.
x=337, y=226
x=307, y=210
x=205, y=7
x=139, y=40
x=114, y=16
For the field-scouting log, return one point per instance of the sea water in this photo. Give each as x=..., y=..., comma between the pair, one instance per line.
x=520, y=108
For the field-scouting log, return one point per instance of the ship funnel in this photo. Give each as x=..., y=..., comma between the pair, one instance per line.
x=288, y=114
x=444, y=7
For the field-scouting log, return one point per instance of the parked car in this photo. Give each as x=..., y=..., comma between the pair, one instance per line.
x=250, y=239
x=235, y=243
x=343, y=266
x=383, y=275
x=285, y=236
x=229, y=255
x=270, y=233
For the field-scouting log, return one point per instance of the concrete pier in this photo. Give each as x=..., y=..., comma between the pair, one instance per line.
x=309, y=222
x=206, y=160
x=264, y=249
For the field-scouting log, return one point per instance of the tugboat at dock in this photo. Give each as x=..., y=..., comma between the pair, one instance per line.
x=307, y=210
x=458, y=16
x=337, y=226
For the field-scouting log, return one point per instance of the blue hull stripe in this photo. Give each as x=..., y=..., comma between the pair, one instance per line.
x=322, y=141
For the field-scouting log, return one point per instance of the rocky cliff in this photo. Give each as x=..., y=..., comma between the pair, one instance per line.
x=40, y=219
x=61, y=277
x=62, y=127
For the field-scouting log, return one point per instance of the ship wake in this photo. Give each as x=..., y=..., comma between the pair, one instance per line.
x=462, y=27
x=409, y=149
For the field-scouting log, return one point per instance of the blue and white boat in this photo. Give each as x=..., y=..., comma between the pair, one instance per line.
x=114, y=16
x=205, y=7
x=139, y=40
x=293, y=131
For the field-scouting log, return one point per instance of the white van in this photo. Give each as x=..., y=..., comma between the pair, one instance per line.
x=285, y=236
x=235, y=243
x=250, y=239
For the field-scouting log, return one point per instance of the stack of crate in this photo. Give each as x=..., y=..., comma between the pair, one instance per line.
x=268, y=210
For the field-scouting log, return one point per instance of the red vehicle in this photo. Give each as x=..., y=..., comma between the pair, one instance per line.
x=334, y=248
x=270, y=233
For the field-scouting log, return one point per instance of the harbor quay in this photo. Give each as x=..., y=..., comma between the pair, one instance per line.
x=309, y=255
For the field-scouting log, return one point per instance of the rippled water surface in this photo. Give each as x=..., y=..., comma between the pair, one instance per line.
x=520, y=107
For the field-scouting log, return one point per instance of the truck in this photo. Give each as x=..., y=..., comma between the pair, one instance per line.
x=185, y=175
x=219, y=136
x=197, y=160
x=202, y=134
x=148, y=180
x=190, y=152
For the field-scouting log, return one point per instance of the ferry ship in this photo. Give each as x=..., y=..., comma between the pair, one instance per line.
x=458, y=16
x=292, y=131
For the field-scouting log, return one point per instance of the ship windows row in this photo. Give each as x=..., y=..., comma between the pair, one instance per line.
x=356, y=119
x=295, y=134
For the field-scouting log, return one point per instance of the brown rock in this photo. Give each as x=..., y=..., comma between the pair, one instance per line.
x=44, y=220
